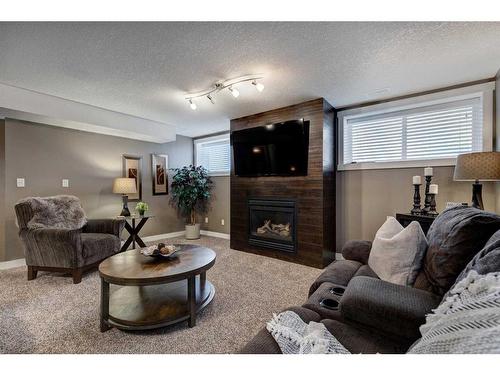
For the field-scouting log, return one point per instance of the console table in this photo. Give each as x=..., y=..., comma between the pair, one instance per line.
x=425, y=221
x=133, y=229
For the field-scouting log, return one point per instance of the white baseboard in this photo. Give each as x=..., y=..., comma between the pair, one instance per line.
x=209, y=233
x=12, y=264
x=215, y=234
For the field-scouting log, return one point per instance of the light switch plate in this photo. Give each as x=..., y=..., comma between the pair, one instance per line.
x=206, y=220
x=65, y=182
x=20, y=182
x=222, y=222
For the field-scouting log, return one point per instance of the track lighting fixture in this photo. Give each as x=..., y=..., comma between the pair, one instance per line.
x=227, y=84
x=259, y=86
x=235, y=92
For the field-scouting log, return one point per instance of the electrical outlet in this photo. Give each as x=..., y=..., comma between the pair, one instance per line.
x=20, y=182
x=222, y=222
x=65, y=182
x=206, y=220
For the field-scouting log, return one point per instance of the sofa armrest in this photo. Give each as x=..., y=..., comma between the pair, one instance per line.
x=357, y=250
x=391, y=308
x=52, y=247
x=109, y=226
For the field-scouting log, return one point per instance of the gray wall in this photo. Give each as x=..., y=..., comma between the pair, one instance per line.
x=366, y=197
x=44, y=155
x=219, y=206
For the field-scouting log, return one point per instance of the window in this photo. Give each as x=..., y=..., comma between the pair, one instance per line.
x=214, y=153
x=427, y=133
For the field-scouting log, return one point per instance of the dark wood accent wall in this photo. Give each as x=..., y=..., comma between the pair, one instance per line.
x=314, y=193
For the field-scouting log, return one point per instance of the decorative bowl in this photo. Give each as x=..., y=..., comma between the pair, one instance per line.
x=158, y=251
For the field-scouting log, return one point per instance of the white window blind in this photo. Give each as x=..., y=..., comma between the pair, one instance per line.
x=426, y=132
x=213, y=153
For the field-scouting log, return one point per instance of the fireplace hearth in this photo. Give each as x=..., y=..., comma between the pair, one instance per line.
x=272, y=223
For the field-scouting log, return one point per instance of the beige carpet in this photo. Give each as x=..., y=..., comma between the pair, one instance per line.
x=51, y=315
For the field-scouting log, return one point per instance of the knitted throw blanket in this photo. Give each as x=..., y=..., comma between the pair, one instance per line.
x=468, y=321
x=296, y=337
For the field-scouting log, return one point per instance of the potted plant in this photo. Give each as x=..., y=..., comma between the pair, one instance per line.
x=141, y=207
x=191, y=187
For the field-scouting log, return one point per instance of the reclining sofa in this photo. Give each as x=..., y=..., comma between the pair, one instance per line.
x=369, y=315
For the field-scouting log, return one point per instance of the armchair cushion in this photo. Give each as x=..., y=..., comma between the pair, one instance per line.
x=98, y=246
x=357, y=250
x=109, y=226
x=391, y=308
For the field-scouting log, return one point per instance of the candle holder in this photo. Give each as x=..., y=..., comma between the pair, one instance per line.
x=416, y=200
x=427, y=201
x=432, y=205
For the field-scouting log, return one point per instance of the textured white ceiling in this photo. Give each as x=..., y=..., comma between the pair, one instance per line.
x=144, y=69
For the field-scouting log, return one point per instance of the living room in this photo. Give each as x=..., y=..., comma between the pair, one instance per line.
x=249, y=188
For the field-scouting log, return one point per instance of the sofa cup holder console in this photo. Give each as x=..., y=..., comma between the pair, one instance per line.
x=329, y=304
x=337, y=290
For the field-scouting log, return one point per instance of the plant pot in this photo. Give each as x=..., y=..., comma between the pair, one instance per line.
x=141, y=212
x=193, y=232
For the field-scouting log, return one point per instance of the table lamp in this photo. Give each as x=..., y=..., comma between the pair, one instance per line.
x=124, y=186
x=484, y=166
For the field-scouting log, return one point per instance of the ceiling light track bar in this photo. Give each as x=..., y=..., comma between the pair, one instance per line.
x=227, y=84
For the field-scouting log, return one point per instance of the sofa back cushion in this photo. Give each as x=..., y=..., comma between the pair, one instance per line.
x=486, y=261
x=397, y=252
x=57, y=212
x=454, y=238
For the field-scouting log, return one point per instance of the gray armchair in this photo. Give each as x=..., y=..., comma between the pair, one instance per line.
x=64, y=250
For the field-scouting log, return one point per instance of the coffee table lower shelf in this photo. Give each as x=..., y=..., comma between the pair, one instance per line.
x=154, y=306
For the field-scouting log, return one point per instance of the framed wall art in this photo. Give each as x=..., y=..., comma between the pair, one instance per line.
x=132, y=168
x=159, y=171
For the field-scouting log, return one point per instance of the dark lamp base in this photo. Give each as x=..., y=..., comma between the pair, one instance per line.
x=477, y=198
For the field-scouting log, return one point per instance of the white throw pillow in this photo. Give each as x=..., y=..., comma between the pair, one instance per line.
x=397, y=253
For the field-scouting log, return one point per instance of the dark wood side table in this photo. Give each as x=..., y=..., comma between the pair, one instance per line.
x=425, y=221
x=133, y=229
x=155, y=292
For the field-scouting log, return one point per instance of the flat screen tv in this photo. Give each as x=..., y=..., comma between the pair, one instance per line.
x=272, y=150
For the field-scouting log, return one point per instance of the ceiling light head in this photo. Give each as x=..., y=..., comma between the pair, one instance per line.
x=192, y=105
x=259, y=86
x=209, y=97
x=234, y=92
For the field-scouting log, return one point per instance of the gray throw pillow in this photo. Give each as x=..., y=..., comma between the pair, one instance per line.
x=397, y=253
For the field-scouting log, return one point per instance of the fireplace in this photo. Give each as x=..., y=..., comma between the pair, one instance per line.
x=272, y=223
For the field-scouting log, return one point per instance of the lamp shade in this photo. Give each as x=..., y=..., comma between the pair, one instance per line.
x=483, y=166
x=124, y=186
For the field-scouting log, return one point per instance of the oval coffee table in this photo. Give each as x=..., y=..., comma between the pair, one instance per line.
x=155, y=292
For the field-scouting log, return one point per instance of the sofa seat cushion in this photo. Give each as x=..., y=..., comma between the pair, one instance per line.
x=455, y=237
x=360, y=340
x=264, y=343
x=339, y=272
x=98, y=246
x=386, y=307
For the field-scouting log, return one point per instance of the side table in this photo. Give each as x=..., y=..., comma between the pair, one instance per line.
x=133, y=230
x=425, y=221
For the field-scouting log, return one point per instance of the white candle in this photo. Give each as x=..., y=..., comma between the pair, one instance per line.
x=416, y=180
x=428, y=171
x=433, y=189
